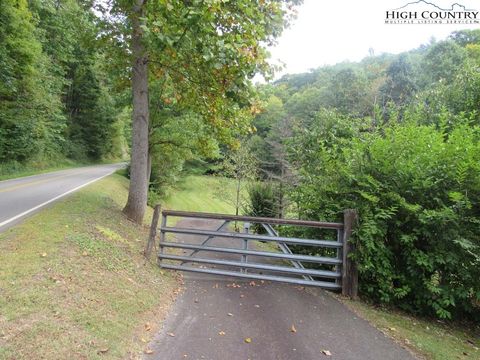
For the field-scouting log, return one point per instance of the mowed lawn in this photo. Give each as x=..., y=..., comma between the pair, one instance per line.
x=203, y=194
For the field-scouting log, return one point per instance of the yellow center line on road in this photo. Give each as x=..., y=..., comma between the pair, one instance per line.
x=16, y=187
x=39, y=206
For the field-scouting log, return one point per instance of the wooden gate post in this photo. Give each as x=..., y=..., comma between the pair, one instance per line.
x=153, y=232
x=349, y=268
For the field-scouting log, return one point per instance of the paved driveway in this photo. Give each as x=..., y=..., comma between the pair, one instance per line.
x=220, y=318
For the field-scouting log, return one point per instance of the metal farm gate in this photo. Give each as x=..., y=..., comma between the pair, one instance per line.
x=244, y=254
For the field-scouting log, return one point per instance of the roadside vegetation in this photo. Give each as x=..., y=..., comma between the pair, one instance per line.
x=56, y=99
x=12, y=170
x=427, y=338
x=74, y=283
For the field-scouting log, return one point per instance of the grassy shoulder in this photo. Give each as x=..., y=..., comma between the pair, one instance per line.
x=429, y=339
x=74, y=283
x=12, y=170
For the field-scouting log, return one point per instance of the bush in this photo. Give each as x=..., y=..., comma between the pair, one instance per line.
x=417, y=189
x=262, y=202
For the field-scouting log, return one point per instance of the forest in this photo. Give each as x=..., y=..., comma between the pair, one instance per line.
x=394, y=136
x=57, y=99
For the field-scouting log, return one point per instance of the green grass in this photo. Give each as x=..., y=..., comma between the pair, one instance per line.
x=74, y=283
x=203, y=194
x=12, y=170
x=430, y=339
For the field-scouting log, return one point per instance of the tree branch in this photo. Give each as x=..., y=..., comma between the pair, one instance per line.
x=169, y=67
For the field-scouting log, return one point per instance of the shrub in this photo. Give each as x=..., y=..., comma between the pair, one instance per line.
x=262, y=202
x=417, y=189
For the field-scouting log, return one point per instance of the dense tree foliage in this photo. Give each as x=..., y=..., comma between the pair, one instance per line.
x=202, y=56
x=55, y=96
x=31, y=118
x=398, y=138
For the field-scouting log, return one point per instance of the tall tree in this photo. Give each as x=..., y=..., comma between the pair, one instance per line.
x=139, y=170
x=205, y=52
x=400, y=84
x=443, y=61
x=241, y=165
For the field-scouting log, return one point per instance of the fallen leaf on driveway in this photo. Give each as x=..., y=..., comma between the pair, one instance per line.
x=230, y=314
x=171, y=334
x=326, y=353
x=221, y=333
x=293, y=329
x=248, y=340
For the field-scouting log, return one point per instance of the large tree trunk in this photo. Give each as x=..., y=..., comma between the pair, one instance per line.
x=137, y=194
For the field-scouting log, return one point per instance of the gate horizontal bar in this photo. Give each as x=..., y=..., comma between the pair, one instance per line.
x=226, y=234
x=256, y=220
x=323, y=284
x=283, y=269
x=314, y=259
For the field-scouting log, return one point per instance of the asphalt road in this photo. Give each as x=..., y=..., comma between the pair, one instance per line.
x=22, y=197
x=214, y=316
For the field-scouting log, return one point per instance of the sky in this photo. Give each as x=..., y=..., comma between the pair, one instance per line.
x=329, y=32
